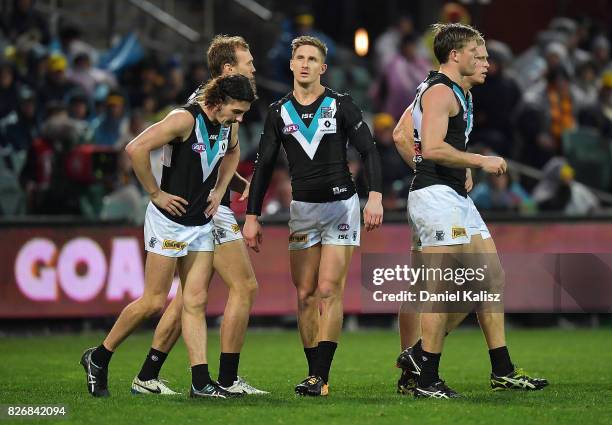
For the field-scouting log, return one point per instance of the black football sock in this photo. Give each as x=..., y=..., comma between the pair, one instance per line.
x=325, y=356
x=311, y=358
x=152, y=365
x=228, y=368
x=429, y=368
x=101, y=357
x=500, y=361
x=199, y=376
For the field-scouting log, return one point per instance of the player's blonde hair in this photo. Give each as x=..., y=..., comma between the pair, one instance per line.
x=450, y=37
x=307, y=40
x=222, y=50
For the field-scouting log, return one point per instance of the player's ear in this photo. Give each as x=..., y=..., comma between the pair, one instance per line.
x=323, y=68
x=227, y=68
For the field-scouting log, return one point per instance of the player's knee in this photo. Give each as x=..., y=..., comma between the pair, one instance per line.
x=153, y=306
x=329, y=290
x=195, y=303
x=247, y=289
x=306, y=296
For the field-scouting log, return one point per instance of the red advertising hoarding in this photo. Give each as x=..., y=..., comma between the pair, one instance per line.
x=96, y=271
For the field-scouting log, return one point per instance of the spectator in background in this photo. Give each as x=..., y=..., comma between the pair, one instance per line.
x=601, y=54
x=8, y=89
x=25, y=21
x=585, y=86
x=57, y=85
x=575, y=55
x=112, y=125
x=531, y=65
x=396, y=88
x=557, y=191
x=501, y=193
x=44, y=176
x=72, y=44
x=599, y=116
x=496, y=103
x=548, y=111
x=198, y=73
x=19, y=128
x=395, y=172
x=386, y=44
x=88, y=77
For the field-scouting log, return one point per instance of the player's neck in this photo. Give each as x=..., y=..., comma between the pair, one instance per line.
x=452, y=73
x=306, y=94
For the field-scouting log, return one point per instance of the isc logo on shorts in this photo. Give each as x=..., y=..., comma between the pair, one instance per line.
x=298, y=237
x=170, y=244
x=291, y=128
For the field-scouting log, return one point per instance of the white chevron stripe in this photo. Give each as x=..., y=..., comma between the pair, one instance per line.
x=309, y=148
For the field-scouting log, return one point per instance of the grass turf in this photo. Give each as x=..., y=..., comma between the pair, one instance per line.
x=45, y=370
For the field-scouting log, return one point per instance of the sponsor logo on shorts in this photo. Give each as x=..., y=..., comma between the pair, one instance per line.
x=291, y=128
x=343, y=227
x=327, y=112
x=354, y=235
x=235, y=228
x=338, y=190
x=198, y=147
x=152, y=242
x=457, y=232
x=343, y=237
x=439, y=235
x=170, y=244
x=298, y=237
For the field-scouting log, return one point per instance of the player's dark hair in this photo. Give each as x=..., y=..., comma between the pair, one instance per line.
x=226, y=88
x=222, y=50
x=450, y=37
x=307, y=40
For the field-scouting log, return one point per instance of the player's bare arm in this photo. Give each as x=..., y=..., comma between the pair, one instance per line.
x=438, y=105
x=403, y=137
x=176, y=125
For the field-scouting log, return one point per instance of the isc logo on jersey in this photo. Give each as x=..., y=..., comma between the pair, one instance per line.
x=291, y=128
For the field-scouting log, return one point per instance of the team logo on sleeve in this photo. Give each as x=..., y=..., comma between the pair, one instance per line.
x=291, y=128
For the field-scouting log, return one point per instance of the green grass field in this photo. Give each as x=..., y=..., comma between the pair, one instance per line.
x=45, y=370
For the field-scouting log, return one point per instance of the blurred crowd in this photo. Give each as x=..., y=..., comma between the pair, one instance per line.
x=67, y=110
x=548, y=109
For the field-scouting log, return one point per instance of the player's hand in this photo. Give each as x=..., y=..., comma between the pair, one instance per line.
x=373, y=211
x=245, y=192
x=494, y=165
x=214, y=199
x=174, y=205
x=251, y=232
x=469, y=183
